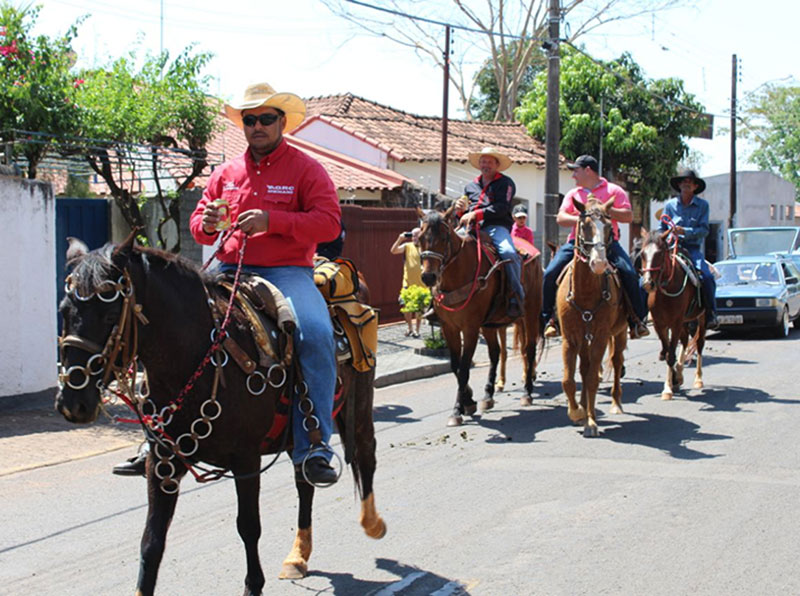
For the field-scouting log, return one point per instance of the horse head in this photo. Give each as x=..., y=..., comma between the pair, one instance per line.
x=593, y=233
x=655, y=259
x=436, y=241
x=97, y=313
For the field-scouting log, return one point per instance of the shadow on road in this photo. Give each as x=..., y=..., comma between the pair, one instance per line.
x=669, y=434
x=47, y=420
x=730, y=399
x=412, y=581
x=393, y=413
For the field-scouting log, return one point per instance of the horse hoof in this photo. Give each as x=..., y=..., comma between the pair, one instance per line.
x=577, y=415
x=377, y=530
x=666, y=396
x=487, y=404
x=293, y=571
x=525, y=400
x=698, y=385
x=590, y=432
x=471, y=409
x=615, y=409
x=499, y=386
x=455, y=421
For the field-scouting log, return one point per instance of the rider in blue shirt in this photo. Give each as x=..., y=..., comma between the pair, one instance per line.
x=689, y=213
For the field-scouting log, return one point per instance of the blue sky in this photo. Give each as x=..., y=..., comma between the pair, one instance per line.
x=300, y=46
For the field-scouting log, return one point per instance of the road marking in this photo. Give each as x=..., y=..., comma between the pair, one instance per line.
x=402, y=584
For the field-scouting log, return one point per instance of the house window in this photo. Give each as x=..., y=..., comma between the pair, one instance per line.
x=773, y=211
x=788, y=210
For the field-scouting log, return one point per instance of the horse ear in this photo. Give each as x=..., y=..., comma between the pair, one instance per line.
x=608, y=204
x=450, y=212
x=122, y=253
x=420, y=213
x=665, y=235
x=644, y=234
x=76, y=249
x=579, y=206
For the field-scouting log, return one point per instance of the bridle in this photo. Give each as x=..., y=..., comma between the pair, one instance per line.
x=122, y=342
x=584, y=247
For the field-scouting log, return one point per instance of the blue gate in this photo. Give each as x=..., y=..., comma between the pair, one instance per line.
x=86, y=219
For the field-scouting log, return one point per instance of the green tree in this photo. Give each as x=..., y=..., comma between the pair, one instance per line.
x=160, y=105
x=642, y=122
x=772, y=117
x=37, y=91
x=495, y=84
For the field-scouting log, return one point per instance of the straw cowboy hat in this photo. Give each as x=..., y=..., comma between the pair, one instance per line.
x=262, y=94
x=675, y=182
x=502, y=159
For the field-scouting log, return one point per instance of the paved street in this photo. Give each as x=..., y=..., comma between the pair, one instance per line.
x=695, y=496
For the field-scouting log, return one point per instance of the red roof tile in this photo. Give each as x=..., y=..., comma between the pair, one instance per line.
x=406, y=136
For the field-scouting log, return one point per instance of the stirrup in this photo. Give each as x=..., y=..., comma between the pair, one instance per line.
x=315, y=450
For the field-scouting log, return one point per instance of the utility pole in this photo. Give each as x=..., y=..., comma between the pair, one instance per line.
x=553, y=132
x=734, y=76
x=443, y=166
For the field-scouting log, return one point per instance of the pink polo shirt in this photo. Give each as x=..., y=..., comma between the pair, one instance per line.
x=296, y=191
x=603, y=192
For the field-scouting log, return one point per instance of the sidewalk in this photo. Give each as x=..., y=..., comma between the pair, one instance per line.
x=33, y=434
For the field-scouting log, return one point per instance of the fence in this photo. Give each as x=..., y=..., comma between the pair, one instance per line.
x=371, y=231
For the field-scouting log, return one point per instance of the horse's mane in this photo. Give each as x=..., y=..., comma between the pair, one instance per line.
x=94, y=268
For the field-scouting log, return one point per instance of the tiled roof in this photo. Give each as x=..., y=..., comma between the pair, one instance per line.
x=346, y=172
x=406, y=136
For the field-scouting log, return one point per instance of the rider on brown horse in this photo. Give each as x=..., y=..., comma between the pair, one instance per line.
x=487, y=200
x=688, y=213
x=585, y=171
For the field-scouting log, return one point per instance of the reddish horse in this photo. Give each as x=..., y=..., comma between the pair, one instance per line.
x=466, y=286
x=592, y=314
x=674, y=306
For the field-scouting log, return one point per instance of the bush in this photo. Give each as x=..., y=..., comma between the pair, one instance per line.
x=415, y=299
x=435, y=341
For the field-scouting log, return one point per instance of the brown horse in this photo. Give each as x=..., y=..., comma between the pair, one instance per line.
x=674, y=306
x=592, y=315
x=466, y=287
x=134, y=305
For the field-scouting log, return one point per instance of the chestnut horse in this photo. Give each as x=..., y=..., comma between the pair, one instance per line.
x=674, y=306
x=466, y=287
x=591, y=310
x=132, y=304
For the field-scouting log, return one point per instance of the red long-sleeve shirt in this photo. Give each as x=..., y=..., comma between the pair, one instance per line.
x=296, y=191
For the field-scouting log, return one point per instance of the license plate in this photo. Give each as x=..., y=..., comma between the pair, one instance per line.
x=730, y=319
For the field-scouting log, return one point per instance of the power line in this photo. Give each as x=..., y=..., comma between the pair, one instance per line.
x=664, y=100
x=412, y=17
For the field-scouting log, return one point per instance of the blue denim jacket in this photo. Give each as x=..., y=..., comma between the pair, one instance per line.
x=693, y=218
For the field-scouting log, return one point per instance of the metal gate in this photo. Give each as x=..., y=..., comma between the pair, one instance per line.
x=86, y=219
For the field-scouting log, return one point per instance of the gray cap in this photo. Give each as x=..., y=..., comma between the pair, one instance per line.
x=519, y=210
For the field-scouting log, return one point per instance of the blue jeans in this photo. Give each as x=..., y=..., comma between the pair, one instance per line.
x=313, y=341
x=616, y=256
x=504, y=244
x=709, y=283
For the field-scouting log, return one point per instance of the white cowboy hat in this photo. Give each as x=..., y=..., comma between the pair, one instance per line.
x=502, y=158
x=262, y=94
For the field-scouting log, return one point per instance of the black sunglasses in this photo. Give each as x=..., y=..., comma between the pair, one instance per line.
x=264, y=119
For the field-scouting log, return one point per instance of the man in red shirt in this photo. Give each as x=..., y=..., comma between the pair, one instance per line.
x=286, y=204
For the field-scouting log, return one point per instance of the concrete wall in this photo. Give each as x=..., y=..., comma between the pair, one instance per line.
x=28, y=352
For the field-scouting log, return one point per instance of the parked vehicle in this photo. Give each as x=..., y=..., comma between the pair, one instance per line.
x=750, y=242
x=760, y=291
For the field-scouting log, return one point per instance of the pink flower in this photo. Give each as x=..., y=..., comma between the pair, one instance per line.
x=78, y=82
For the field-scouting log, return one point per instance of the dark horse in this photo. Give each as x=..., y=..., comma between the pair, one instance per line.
x=466, y=287
x=674, y=306
x=133, y=304
x=592, y=314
